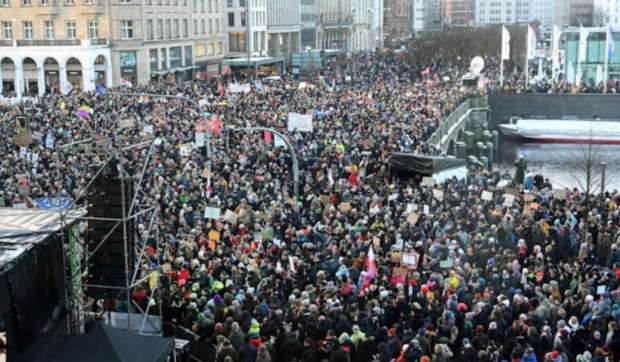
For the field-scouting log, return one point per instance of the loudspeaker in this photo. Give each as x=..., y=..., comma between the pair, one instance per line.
x=108, y=261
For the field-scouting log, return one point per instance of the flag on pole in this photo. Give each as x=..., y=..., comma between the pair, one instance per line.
x=426, y=71
x=371, y=267
x=531, y=43
x=505, y=44
x=555, y=54
x=610, y=42
x=583, y=43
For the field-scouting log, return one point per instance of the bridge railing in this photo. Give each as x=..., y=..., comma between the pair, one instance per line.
x=447, y=125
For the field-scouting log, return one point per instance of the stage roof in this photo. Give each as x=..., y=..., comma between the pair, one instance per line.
x=22, y=229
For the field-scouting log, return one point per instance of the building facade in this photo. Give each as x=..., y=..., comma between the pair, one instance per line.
x=574, y=12
x=344, y=24
x=47, y=44
x=543, y=11
x=283, y=27
x=458, y=13
x=433, y=12
x=396, y=21
x=308, y=24
x=246, y=22
x=606, y=12
x=416, y=17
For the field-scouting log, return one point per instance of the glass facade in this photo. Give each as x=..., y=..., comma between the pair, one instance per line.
x=595, y=56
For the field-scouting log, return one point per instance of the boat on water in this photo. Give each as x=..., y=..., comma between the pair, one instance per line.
x=562, y=131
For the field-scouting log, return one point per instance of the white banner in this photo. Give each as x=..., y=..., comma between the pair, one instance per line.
x=299, y=122
x=240, y=88
x=583, y=43
x=67, y=88
x=200, y=139
x=505, y=44
x=531, y=43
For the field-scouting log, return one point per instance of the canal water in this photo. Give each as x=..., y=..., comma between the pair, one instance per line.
x=563, y=163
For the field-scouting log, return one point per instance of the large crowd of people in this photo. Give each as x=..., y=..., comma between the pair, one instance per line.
x=323, y=277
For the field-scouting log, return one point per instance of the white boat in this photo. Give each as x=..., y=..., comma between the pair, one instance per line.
x=562, y=131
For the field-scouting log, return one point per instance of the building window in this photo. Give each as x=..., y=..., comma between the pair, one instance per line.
x=243, y=19
x=160, y=29
x=126, y=29
x=168, y=33
x=195, y=27
x=217, y=26
x=149, y=29
x=28, y=33
x=242, y=3
x=200, y=50
x=210, y=26
x=71, y=32
x=26, y=3
x=185, y=28
x=88, y=2
x=6, y=2
x=218, y=48
x=202, y=26
x=7, y=30
x=175, y=28
x=93, y=30
x=229, y=3
x=49, y=30
x=231, y=19
x=44, y=2
x=70, y=2
x=126, y=1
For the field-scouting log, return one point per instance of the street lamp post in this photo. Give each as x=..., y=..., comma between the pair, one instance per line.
x=293, y=155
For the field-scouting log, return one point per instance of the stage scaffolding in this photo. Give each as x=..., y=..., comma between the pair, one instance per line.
x=112, y=153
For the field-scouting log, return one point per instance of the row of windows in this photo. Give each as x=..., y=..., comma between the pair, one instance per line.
x=199, y=5
x=28, y=30
x=172, y=29
x=6, y=3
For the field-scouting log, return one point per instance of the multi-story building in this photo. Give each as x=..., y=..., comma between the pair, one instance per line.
x=458, y=13
x=49, y=43
x=543, y=11
x=433, y=21
x=606, y=12
x=417, y=17
x=246, y=22
x=344, y=24
x=396, y=20
x=283, y=27
x=308, y=23
x=45, y=45
x=574, y=12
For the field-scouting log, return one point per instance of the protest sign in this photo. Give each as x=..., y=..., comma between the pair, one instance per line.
x=214, y=235
x=231, y=217
x=410, y=259
x=126, y=122
x=508, y=200
x=438, y=195
x=200, y=139
x=345, y=206
x=428, y=182
x=487, y=195
x=528, y=198
x=212, y=212
x=299, y=122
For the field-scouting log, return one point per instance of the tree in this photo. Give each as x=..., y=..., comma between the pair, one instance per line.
x=588, y=171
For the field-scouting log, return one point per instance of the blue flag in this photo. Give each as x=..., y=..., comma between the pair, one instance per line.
x=100, y=89
x=610, y=40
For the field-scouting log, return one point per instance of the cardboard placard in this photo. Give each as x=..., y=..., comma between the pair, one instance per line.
x=508, y=200
x=528, y=198
x=410, y=259
x=231, y=217
x=369, y=143
x=445, y=264
x=413, y=217
x=534, y=206
x=396, y=256
x=23, y=190
x=205, y=173
x=486, y=195
x=376, y=241
x=400, y=271
x=345, y=206
x=23, y=139
x=325, y=199
x=427, y=181
x=512, y=191
x=438, y=195
x=212, y=213
x=126, y=122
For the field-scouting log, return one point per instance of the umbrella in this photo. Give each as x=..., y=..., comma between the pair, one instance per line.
x=82, y=113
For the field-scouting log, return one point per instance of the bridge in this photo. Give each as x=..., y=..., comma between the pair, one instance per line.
x=471, y=114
